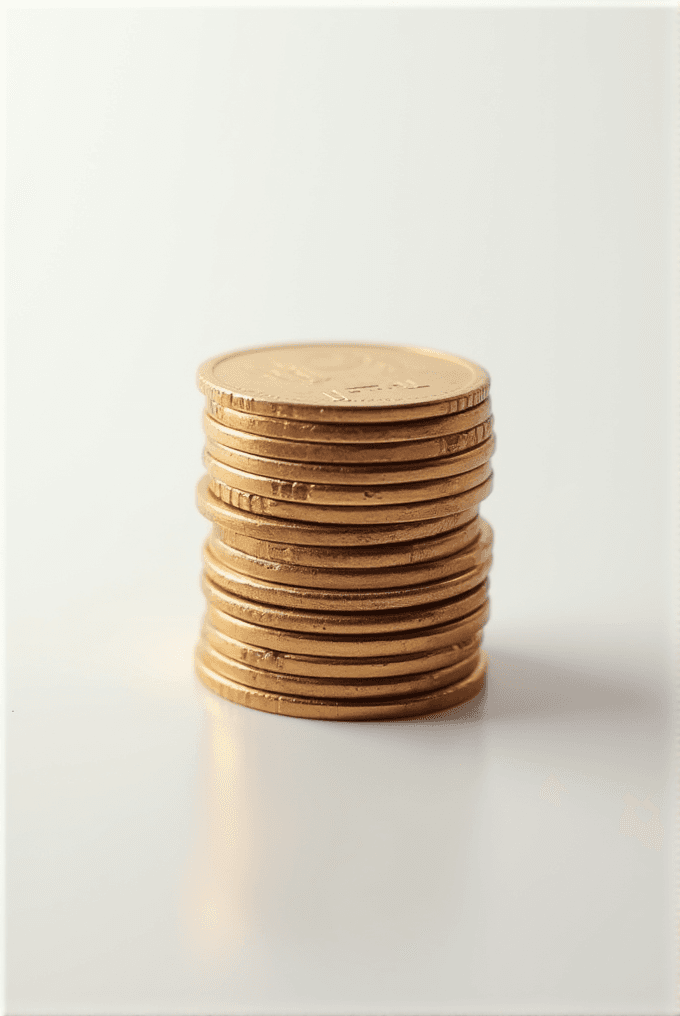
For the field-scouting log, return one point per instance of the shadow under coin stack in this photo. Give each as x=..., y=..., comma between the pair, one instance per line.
x=346, y=572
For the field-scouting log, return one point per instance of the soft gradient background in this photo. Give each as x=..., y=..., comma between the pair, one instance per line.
x=495, y=183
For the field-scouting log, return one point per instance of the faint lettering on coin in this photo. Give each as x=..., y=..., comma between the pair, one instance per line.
x=344, y=395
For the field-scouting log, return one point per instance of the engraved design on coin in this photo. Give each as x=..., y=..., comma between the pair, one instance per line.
x=328, y=377
x=322, y=366
x=344, y=396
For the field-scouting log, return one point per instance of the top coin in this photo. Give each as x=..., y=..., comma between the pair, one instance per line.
x=343, y=382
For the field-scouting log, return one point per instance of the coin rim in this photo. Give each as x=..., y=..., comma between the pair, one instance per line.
x=357, y=622
x=368, y=557
x=431, y=702
x=349, y=515
x=381, y=577
x=315, y=432
x=350, y=667
x=349, y=454
x=357, y=473
x=340, y=688
x=279, y=594
x=318, y=534
x=395, y=643
x=343, y=495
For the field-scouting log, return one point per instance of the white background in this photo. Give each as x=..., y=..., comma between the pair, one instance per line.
x=496, y=183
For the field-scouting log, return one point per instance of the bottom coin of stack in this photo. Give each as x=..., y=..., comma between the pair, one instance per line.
x=346, y=574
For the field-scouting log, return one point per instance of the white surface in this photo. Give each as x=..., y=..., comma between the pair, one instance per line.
x=495, y=183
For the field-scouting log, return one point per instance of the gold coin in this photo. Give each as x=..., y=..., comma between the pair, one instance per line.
x=352, y=515
x=336, y=494
x=344, y=433
x=345, y=558
x=334, y=688
x=307, y=451
x=235, y=520
x=276, y=594
x=343, y=382
x=321, y=625
x=426, y=640
x=357, y=474
x=347, y=668
x=358, y=709
x=310, y=579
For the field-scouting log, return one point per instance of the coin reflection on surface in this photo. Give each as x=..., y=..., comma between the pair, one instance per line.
x=222, y=872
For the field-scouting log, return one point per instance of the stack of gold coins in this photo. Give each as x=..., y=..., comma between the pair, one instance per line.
x=346, y=572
